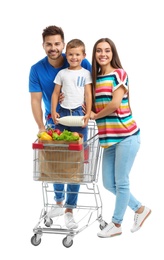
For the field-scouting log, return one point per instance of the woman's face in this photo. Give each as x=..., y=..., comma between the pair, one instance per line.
x=103, y=53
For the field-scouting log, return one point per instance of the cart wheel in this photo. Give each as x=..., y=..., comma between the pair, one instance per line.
x=34, y=240
x=103, y=225
x=67, y=242
x=48, y=222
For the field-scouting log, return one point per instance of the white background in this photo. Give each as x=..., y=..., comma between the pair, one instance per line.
x=136, y=27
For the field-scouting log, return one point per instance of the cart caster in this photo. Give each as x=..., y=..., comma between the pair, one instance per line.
x=35, y=241
x=67, y=241
x=48, y=222
x=103, y=225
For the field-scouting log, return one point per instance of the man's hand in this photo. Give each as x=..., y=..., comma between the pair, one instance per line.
x=42, y=130
x=61, y=97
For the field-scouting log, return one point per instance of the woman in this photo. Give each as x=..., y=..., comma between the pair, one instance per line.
x=119, y=134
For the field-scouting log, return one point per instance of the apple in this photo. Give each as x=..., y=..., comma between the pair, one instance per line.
x=75, y=134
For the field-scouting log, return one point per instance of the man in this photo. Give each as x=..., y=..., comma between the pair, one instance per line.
x=41, y=86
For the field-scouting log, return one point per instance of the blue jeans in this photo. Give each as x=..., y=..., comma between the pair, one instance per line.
x=72, y=189
x=116, y=165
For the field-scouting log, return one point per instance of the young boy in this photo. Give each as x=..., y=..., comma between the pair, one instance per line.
x=75, y=83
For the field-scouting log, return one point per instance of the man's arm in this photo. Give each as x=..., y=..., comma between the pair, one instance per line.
x=86, y=65
x=36, y=105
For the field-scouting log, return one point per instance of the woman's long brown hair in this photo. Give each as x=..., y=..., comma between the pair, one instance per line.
x=115, y=63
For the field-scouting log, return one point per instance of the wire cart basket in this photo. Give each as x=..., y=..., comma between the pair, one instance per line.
x=75, y=163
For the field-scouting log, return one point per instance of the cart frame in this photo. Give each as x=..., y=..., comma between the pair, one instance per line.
x=92, y=210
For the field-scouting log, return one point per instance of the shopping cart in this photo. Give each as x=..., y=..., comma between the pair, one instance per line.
x=69, y=163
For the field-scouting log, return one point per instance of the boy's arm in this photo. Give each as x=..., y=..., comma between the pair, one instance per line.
x=88, y=101
x=54, y=103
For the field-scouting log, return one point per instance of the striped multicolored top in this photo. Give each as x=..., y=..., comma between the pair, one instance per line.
x=120, y=124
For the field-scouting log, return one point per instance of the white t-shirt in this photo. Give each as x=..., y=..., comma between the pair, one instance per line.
x=73, y=84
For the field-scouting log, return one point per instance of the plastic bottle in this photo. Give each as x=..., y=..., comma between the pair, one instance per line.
x=71, y=121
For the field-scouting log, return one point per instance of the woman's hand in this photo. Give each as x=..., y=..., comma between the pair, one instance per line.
x=92, y=115
x=84, y=108
x=86, y=119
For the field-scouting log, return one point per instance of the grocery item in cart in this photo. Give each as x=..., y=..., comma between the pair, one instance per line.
x=59, y=161
x=71, y=120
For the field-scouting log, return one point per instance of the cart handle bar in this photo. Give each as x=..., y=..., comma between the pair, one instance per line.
x=71, y=146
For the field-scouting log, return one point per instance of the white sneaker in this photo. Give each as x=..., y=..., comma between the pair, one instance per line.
x=69, y=221
x=55, y=211
x=110, y=230
x=140, y=218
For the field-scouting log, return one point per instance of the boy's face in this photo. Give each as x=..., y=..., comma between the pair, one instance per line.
x=75, y=57
x=53, y=46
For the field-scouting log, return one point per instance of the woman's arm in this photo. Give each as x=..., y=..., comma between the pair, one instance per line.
x=112, y=105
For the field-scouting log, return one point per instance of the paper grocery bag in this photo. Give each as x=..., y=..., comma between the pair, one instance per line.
x=59, y=164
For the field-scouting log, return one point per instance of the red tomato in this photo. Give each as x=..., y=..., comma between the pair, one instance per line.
x=57, y=131
x=49, y=132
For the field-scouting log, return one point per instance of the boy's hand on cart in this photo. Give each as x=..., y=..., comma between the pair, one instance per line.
x=55, y=117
